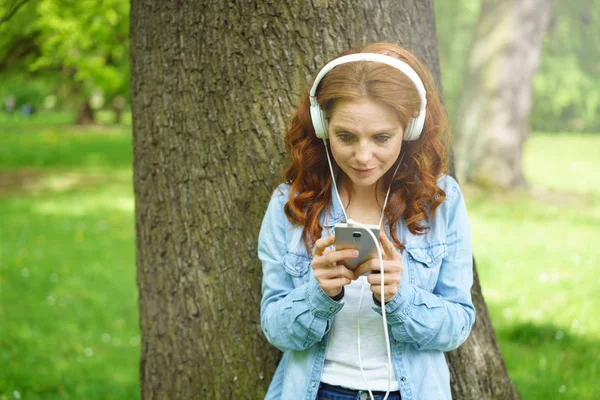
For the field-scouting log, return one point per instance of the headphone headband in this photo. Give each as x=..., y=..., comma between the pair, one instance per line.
x=415, y=126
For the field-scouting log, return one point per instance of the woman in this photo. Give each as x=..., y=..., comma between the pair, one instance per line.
x=381, y=120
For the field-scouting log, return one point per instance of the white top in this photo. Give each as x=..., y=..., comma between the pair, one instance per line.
x=341, y=360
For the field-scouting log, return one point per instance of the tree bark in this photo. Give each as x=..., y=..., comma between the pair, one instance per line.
x=213, y=87
x=477, y=369
x=492, y=120
x=85, y=114
x=118, y=106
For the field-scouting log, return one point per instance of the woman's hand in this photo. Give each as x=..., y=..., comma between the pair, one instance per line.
x=392, y=268
x=332, y=277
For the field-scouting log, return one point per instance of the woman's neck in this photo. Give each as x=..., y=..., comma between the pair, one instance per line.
x=362, y=204
x=360, y=194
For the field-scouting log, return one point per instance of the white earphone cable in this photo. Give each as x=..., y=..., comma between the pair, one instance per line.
x=333, y=181
x=383, y=314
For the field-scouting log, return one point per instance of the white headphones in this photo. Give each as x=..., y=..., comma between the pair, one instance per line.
x=415, y=126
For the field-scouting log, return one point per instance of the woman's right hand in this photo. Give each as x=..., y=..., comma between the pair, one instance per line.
x=332, y=277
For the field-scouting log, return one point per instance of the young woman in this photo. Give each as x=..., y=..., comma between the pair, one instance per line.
x=375, y=111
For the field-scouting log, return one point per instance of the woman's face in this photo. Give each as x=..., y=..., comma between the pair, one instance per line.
x=365, y=138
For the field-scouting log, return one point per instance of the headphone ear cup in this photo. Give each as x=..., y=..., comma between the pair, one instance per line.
x=409, y=132
x=415, y=128
x=319, y=121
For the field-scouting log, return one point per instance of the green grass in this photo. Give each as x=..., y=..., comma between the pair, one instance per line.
x=52, y=118
x=537, y=257
x=57, y=144
x=68, y=298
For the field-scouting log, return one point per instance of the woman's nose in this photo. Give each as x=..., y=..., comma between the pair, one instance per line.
x=363, y=153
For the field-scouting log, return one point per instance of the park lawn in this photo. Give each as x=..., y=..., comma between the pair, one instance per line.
x=67, y=277
x=537, y=257
x=67, y=274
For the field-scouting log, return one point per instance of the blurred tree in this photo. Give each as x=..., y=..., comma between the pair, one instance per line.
x=567, y=85
x=88, y=41
x=83, y=44
x=455, y=23
x=213, y=89
x=492, y=122
x=566, y=88
x=7, y=10
x=18, y=34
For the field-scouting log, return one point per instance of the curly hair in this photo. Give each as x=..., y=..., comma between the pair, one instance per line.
x=414, y=194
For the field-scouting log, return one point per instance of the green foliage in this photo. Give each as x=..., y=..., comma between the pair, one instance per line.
x=566, y=88
x=25, y=90
x=82, y=46
x=79, y=46
x=87, y=38
x=18, y=35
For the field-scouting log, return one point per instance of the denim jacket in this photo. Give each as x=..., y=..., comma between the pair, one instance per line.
x=432, y=312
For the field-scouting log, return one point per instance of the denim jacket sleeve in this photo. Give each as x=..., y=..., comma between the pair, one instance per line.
x=441, y=320
x=292, y=317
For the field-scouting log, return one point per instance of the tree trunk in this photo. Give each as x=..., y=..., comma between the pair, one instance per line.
x=477, y=369
x=85, y=114
x=213, y=87
x=118, y=106
x=492, y=120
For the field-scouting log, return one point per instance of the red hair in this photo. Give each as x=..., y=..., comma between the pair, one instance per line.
x=414, y=195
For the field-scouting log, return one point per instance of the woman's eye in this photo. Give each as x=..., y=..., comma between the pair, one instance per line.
x=345, y=137
x=382, y=138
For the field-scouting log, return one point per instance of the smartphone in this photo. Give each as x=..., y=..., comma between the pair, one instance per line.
x=348, y=236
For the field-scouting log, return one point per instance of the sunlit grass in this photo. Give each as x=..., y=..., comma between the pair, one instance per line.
x=537, y=258
x=68, y=289
x=565, y=162
x=67, y=274
x=68, y=298
x=31, y=145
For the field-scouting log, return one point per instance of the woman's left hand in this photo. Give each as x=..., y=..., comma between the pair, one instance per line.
x=392, y=265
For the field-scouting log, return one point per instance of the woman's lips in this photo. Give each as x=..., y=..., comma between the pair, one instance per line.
x=363, y=172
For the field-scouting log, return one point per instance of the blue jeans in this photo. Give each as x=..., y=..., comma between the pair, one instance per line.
x=330, y=392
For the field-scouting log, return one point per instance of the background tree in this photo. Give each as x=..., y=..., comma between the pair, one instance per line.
x=18, y=32
x=566, y=88
x=75, y=47
x=212, y=91
x=492, y=119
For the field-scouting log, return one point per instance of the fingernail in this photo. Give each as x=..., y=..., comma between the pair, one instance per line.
x=355, y=253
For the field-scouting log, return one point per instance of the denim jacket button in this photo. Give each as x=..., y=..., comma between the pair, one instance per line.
x=403, y=379
x=314, y=383
x=428, y=259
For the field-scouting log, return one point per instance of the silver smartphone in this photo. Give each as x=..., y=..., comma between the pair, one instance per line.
x=348, y=236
